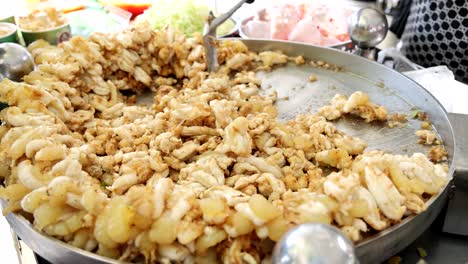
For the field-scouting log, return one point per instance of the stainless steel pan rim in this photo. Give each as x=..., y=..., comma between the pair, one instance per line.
x=411, y=226
x=24, y=229
x=40, y=242
x=433, y=199
x=23, y=225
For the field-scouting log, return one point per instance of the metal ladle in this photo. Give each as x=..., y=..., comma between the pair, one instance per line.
x=15, y=61
x=367, y=28
x=314, y=244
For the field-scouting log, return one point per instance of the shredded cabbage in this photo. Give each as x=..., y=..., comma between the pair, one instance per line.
x=188, y=16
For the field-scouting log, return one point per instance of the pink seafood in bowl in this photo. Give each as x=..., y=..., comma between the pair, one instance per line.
x=322, y=25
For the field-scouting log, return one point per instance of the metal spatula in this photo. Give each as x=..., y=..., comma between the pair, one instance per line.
x=209, y=34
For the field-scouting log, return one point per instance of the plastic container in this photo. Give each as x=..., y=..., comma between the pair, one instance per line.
x=12, y=35
x=8, y=19
x=54, y=36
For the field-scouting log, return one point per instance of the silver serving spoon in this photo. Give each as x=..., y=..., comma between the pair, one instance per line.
x=15, y=61
x=314, y=244
x=367, y=28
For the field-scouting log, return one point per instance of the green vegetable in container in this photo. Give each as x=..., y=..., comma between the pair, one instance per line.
x=188, y=16
x=96, y=19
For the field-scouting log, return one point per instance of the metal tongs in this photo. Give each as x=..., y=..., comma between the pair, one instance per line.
x=209, y=34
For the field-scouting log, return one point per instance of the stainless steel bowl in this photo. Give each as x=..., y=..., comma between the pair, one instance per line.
x=347, y=45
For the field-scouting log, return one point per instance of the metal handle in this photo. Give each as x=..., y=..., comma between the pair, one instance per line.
x=209, y=34
x=367, y=28
x=219, y=20
x=398, y=58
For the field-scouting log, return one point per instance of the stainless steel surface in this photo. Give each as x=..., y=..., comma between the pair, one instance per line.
x=347, y=45
x=439, y=246
x=314, y=244
x=455, y=218
x=457, y=213
x=460, y=125
x=209, y=34
x=367, y=28
x=8, y=243
x=15, y=61
x=384, y=86
x=399, y=61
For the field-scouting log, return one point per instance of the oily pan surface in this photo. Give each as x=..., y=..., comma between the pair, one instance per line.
x=205, y=173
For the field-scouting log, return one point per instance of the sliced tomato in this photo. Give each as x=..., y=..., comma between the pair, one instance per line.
x=135, y=7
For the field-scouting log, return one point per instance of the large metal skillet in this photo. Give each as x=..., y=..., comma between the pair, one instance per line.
x=384, y=86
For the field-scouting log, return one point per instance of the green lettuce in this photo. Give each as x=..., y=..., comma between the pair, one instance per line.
x=188, y=16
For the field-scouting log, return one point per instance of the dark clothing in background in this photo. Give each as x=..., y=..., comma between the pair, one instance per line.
x=436, y=33
x=399, y=20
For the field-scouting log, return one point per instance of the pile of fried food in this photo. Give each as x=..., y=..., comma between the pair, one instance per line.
x=40, y=20
x=206, y=174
